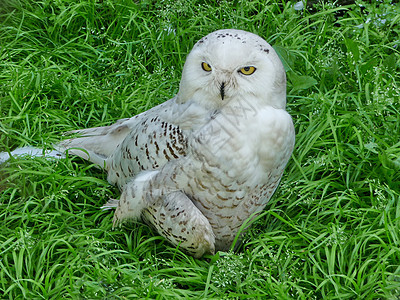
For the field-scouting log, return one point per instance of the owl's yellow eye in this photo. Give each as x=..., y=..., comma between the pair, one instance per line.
x=206, y=67
x=247, y=70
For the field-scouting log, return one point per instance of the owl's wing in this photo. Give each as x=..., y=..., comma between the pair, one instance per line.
x=148, y=146
x=99, y=143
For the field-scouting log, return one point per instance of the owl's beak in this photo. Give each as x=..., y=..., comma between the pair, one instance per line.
x=222, y=90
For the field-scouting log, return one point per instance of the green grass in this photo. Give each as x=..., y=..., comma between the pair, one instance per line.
x=332, y=230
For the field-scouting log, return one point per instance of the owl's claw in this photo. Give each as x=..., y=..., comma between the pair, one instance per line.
x=110, y=204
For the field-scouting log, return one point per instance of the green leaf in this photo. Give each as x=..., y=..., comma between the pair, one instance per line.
x=301, y=82
x=286, y=57
x=390, y=62
x=352, y=47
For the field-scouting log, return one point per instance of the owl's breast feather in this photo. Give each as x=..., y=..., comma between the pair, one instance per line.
x=275, y=138
x=243, y=145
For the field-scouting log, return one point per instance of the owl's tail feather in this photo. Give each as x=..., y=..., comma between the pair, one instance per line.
x=30, y=152
x=95, y=144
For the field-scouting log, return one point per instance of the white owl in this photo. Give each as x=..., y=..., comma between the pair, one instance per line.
x=197, y=166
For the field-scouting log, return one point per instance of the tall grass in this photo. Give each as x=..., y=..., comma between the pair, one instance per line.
x=332, y=231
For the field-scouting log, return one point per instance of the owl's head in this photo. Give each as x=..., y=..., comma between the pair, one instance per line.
x=229, y=65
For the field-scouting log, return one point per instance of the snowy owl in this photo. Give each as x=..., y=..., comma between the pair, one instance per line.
x=199, y=165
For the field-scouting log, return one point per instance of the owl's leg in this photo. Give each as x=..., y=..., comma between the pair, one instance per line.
x=136, y=195
x=176, y=218
x=172, y=213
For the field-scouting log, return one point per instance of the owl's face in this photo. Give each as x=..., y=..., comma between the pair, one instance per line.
x=229, y=65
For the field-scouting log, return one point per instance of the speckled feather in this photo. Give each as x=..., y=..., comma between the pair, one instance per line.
x=199, y=165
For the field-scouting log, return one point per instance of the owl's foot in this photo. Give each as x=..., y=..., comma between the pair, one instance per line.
x=172, y=214
x=135, y=197
x=111, y=203
x=176, y=218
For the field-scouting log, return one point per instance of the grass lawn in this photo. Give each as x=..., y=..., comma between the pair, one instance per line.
x=331, y=231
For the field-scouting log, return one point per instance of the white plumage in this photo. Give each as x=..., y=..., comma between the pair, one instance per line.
x=197, y=166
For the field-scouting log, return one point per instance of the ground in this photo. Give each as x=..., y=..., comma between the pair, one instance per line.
x=331, y=231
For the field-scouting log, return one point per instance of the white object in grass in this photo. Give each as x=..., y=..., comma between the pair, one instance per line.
x=29, y=151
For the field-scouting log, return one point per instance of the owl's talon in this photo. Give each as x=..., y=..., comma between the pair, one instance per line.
x=110, y=204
